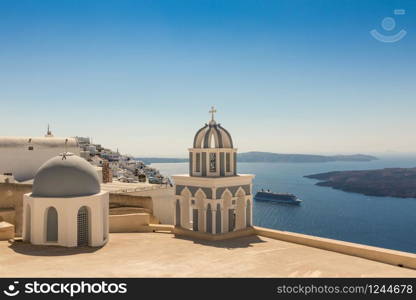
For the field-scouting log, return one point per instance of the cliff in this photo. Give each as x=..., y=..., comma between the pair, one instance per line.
x=392, y=182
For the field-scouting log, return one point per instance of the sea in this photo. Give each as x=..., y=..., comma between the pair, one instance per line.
x=386, y=222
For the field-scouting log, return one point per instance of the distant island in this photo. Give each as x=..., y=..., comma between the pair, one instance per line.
x=256, y=156
x=389, y=182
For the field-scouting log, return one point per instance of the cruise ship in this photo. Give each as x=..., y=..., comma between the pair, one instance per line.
x=277, y=197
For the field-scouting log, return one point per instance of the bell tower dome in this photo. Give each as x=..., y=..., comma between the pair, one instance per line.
x=213, y=154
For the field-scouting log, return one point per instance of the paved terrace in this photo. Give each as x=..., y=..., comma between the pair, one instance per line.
x=164, y=255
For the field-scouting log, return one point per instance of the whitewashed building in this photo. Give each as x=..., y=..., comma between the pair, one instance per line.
x=21, y=157
x=66, y=206
x=213, y=197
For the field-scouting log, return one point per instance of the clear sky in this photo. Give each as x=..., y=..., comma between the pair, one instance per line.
x=293, y=76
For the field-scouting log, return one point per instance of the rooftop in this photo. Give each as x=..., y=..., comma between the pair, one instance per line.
x=14, y=141
x=164, y=255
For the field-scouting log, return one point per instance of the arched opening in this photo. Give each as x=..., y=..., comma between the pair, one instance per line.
x=200, y=197
x=228, y=162
x=185, y=208
x=240, y=210
x=27, y=223
x=178, y=213
x=83, y=223
x=229, y=220
x=248, y=213
x=195, y=219
x=52, y=225
x=209, y=218
x=213, y=162
x=218, y=225
x=198, y=163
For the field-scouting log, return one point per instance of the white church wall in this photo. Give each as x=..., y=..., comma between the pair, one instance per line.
x=16, y=158
x=162, y=203
x=67, y=209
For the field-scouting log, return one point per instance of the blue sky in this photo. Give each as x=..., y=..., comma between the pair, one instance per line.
x=286, y=76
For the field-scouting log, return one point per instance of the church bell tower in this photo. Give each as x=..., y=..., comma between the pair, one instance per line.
x=213, y=197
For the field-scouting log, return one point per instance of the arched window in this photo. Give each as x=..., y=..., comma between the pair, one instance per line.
x=195, y=219
x=186, y=208
x=213, y=162
x=27, y=223
x=228, y=162
x=201, y=216
x=218, y=223
x=209, y=218
x=178, y=213
x=198, y=162
x=83, y=223
x=231, y=219
x=229, y=211
x=52, y=225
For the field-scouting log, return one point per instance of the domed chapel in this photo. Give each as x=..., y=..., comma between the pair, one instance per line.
x=66, y=206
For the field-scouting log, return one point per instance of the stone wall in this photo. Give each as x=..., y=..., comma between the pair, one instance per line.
x=6, y=231
x=11, y=201
x=7, y=215
x=127, y=200
x=107, y=174
x=393, y=257
x=138, y=222
x=213, y=237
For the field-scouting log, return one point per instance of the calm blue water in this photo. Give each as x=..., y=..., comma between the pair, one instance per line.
x=378, y=221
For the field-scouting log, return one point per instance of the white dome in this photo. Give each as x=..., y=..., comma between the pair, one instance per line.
x=66, y=175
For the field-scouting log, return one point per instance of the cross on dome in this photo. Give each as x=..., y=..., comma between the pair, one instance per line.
x=49, y=132
x=212, y=131
x=212, y=112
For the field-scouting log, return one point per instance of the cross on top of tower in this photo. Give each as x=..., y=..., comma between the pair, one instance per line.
x=212, y=112
x=48, y=132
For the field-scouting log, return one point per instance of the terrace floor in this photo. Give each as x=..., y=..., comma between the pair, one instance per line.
x=164, y=255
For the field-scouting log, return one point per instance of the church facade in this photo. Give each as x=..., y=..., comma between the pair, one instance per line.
x=213, y=197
